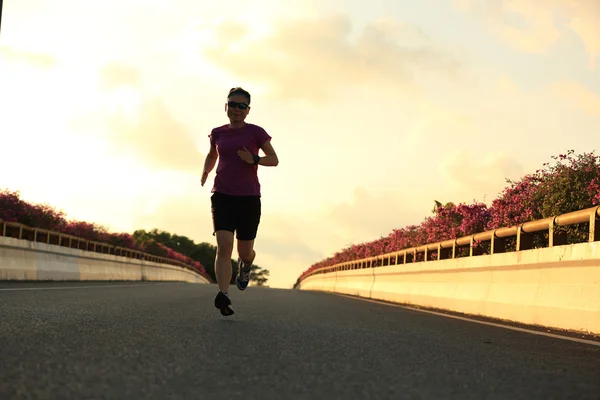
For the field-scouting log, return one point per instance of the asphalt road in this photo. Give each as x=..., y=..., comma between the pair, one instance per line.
x=167, y=341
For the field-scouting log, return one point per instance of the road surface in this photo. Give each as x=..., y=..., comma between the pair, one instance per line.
x=167, y=341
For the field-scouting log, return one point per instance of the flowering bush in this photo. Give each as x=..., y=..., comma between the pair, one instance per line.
x=572, y=184
x=124, y=240
x=43, y=216
x=85, y=230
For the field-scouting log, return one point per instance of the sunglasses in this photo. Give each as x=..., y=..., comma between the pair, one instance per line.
x=234, y=104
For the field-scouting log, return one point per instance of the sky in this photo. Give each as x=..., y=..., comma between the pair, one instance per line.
x=376, y=109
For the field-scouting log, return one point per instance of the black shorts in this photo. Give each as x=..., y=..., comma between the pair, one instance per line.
x=239, y=214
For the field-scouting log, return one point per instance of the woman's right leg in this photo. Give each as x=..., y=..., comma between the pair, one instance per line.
x=223, y=264
x=223, y=228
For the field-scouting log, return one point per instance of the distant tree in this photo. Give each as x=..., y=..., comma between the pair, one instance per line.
x=203, y=252
x=259, y=276
x=206, y=253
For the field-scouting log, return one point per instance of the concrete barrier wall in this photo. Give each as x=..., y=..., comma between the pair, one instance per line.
x=556, y=287
x=27, y=260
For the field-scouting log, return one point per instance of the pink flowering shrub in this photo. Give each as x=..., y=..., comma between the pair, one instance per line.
x=86, y=230
x=572, y=184
x=42, y=216
x=124, y=240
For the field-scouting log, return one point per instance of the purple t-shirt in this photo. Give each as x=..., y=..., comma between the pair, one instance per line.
x=234, y=176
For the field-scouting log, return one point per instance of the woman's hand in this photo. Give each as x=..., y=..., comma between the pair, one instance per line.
x=246, y=155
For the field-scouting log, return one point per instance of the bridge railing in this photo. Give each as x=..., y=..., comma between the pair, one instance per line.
x=496, y=238
x=20, y=231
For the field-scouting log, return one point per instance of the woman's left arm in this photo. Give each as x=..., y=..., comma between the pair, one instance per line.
x=270, y=159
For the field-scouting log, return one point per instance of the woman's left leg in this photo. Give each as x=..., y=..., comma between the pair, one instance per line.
x=246, y=235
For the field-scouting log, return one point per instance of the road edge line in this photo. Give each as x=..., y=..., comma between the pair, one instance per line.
x=467, y=319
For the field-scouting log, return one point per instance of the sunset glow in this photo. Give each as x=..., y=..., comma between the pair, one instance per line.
x=376, y=109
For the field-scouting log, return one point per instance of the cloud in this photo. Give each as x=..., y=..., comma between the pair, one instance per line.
x=486, y=175
x=373, y=214
x=517, y=130
x=155, y=136
x=577, y=94
x=528, y=26
x=185, y=211
x=585, y=22
x=311, y=58
x=115, y=75
x=539, y=33
x=33, y=58
x=286, y=237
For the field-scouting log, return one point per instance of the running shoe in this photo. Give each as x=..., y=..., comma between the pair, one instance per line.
x=244, y=275
x=223, y=303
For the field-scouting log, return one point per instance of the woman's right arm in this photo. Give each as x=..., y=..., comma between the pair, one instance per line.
x=209, y=163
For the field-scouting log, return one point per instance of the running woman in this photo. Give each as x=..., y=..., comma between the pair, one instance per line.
x=235, y=202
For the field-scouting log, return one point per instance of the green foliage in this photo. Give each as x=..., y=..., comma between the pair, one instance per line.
x=205, y=253
x=436, y=207
x=571, y=184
